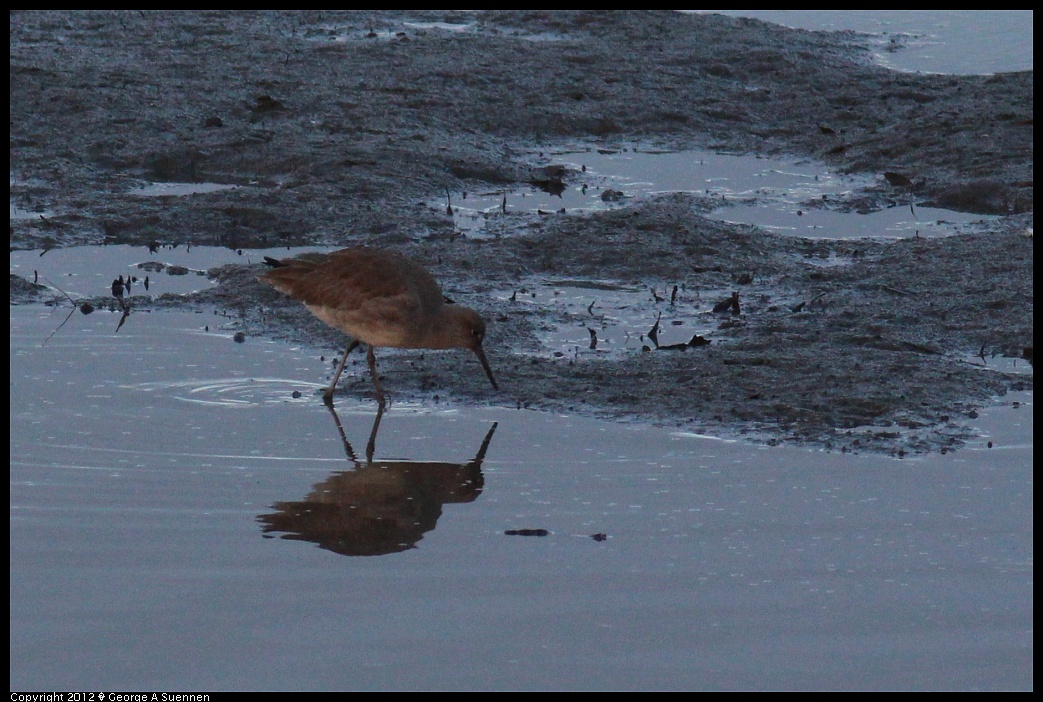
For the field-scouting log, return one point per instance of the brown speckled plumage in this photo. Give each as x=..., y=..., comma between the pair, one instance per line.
x=379, y=298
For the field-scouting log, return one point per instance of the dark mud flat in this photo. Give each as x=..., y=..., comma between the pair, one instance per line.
x=341, y=124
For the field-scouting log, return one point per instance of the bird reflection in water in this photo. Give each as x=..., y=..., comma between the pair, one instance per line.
x=380, y=507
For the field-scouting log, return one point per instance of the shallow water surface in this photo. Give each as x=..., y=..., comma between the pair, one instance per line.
x=968, y=42
x=180, y=520
x=787, y=196
x=89, y=270
x=179, y=189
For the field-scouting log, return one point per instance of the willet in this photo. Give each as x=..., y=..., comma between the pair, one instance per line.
x=379, y=298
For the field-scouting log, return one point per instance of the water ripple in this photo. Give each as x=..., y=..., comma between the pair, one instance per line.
x=234, y=392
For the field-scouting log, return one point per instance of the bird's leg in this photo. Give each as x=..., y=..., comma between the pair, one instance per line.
x=328, y=395
x=372, y=444
x=343, y=437
x=376, y=378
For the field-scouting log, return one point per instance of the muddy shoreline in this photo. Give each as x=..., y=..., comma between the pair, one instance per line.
x=341, y=124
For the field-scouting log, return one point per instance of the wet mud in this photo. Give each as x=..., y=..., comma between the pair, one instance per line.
x=339, y=126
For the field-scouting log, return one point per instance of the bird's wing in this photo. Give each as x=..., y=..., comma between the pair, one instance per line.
x=353, y=279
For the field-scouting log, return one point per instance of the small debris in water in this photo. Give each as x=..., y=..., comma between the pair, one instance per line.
x=695, y=341
x=266, y=103
x=653, y=333
x=551, y=179
x=898, y=180
x=239, y=337
x=728, y=304
x=526, y=532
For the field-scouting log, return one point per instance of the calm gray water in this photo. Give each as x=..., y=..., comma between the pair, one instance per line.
x=932, y=41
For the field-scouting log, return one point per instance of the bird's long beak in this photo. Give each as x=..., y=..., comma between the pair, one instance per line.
x=485, y=364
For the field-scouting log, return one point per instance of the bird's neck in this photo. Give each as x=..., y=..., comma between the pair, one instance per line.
x=449, y=329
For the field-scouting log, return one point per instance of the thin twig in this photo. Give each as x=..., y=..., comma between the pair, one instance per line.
x=71, y=312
